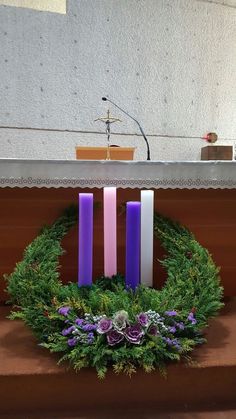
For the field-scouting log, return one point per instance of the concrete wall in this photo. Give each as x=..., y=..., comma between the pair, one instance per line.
x=170, y=63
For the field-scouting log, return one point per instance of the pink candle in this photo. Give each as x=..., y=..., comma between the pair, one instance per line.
x=110, y=246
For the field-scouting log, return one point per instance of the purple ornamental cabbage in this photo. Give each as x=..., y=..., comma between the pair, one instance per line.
x=153, y=330
x=114, y=337
x=104, y=325
x=120, y=320
x=143, y=319
x=134, y=334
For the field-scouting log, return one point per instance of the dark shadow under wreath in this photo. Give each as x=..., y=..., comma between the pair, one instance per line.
x=106, y=325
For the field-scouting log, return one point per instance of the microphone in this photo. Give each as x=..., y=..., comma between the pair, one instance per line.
x=135, y=120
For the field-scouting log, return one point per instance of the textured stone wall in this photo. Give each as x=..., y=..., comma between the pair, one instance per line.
x=170, y=63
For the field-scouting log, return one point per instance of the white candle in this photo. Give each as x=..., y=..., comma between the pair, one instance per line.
x=147, y=212
x=110, y=245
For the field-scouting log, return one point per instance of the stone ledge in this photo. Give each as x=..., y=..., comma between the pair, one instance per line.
x=24, y=173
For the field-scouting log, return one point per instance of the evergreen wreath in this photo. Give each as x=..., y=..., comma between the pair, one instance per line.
x=106, y=325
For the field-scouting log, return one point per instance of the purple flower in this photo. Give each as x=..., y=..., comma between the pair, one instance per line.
x=134, y=334
x=143, y=319
x=79, y=322
x=180, y=325
x=120, y=320
x=172, y=342
x=64, y=311
x=153, y=330
x=104, y=325
x=66, y=332
x=114, y=337
x=90, y=337
x=191, y=318
x=89, y=327
x=72, y=342
x=168, y=341
x=171, y=313
x=176, y=344
x=172, y=329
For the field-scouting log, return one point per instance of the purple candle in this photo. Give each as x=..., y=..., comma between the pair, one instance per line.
x=133, y=225
x=85, y=239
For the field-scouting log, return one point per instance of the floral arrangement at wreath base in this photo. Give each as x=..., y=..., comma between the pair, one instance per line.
x=107, y=325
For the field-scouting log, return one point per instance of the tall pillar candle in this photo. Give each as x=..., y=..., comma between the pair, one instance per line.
x=133, y=221
x=85, y=239
x=147, y=213
x=110, y=243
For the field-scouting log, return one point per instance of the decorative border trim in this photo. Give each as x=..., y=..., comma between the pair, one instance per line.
x=180, y=183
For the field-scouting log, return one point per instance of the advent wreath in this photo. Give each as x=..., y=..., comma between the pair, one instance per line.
x=107, y=325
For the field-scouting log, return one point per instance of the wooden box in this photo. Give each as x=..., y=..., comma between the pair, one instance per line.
x=217, y=152
x=101, y=153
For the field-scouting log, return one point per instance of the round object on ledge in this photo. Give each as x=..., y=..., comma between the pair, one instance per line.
x=211, y=137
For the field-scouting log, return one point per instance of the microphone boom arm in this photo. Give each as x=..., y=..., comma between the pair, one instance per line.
x=135, y=120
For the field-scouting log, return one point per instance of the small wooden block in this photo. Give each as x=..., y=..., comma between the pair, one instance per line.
x=217, y=152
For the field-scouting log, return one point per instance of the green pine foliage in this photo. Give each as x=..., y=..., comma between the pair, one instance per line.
x=193, y=278
x=192, y=286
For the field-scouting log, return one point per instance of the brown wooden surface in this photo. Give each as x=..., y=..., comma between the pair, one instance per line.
x=209, y=214
x=214, y=152
x=32, y=382
x=102, y=153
